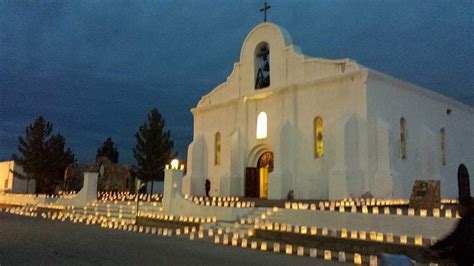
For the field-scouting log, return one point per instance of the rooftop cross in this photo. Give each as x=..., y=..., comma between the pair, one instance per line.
x=264, y=10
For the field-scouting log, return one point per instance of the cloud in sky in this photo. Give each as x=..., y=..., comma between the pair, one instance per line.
x=95, y=68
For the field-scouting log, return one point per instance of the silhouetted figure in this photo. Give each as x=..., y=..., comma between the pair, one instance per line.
x=459, y=245
x=208, y=187
x=290, y=195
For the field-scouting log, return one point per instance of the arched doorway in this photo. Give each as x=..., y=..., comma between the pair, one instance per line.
x=256, y=178
x=463, y=183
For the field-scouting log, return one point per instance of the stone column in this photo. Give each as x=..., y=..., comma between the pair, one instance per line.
x=172, y=188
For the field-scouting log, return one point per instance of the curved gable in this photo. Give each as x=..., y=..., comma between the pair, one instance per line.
x=288, y=66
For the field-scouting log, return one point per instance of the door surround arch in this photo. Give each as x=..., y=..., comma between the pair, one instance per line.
x=256, y=174
x=255, y=153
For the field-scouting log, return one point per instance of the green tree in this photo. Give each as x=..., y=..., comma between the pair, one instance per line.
x=108, y=150
x=42, y=156
x=153, y=149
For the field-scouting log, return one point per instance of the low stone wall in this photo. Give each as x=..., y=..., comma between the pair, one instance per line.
x=174, y=202
x=88, y=193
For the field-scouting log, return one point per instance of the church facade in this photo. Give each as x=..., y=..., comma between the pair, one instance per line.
x=284, y=123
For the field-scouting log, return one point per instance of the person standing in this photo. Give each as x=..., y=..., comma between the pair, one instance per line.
x=208, y=187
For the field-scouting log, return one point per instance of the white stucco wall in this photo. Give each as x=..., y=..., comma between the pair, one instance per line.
x=359, y=114
x=425, y=113
x=12, y=184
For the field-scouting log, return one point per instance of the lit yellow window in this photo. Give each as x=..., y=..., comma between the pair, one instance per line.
x=262, y=125
x=318, y=137
x=217, y=147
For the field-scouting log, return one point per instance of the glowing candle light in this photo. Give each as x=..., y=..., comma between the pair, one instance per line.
x=234, y=241
x=372, y=260
x=389, y=237
x=289, y=249
x=373, y=235
x=314, y=230
x=277, y=227
x=327, y=255
x=217, y=239
x=411, y=212
x=325, y=231
x=343, y=233
x=276, y=247
x=313, y=253
x=178, y=231
x=362, y=235
x=296, y=229
x=353, y=209
x=448, y=213
x=191, y=236
x=263, y=246
x=380, y=237
x=253, y=245
x=244, y=243
x=342, y=256
x=403, y=239
x=418, y=240
x=364, y=209
x=375, y=210
x=294, y=206
x=399, y=212
x=357, y=259
x=304, y=230
x=386, y=210
x=225, y=239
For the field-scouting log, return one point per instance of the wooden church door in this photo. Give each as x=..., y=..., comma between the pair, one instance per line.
x=252, y=182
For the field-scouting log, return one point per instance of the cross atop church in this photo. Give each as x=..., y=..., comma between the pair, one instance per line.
x=264, y=10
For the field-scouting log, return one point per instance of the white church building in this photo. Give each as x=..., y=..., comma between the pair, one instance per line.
x=324, y=129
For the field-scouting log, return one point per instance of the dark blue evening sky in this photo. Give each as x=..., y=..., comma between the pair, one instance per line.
x=95, y=68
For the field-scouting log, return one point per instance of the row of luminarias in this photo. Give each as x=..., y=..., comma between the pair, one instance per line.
x=261, y=133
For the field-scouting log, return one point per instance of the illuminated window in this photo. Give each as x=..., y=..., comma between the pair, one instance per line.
x=217, y=147
x=403, y=139
x=318, y=137
x=262, y=125
x=442, y=133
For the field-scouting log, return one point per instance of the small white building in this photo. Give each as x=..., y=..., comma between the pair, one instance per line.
x=326, y=129
x=11, y=184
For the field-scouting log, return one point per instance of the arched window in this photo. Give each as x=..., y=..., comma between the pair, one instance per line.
x=217, y=149
x=403, y=138
x=442, y=134
x=318, y=137
x=262, y=125
x=262, y=66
